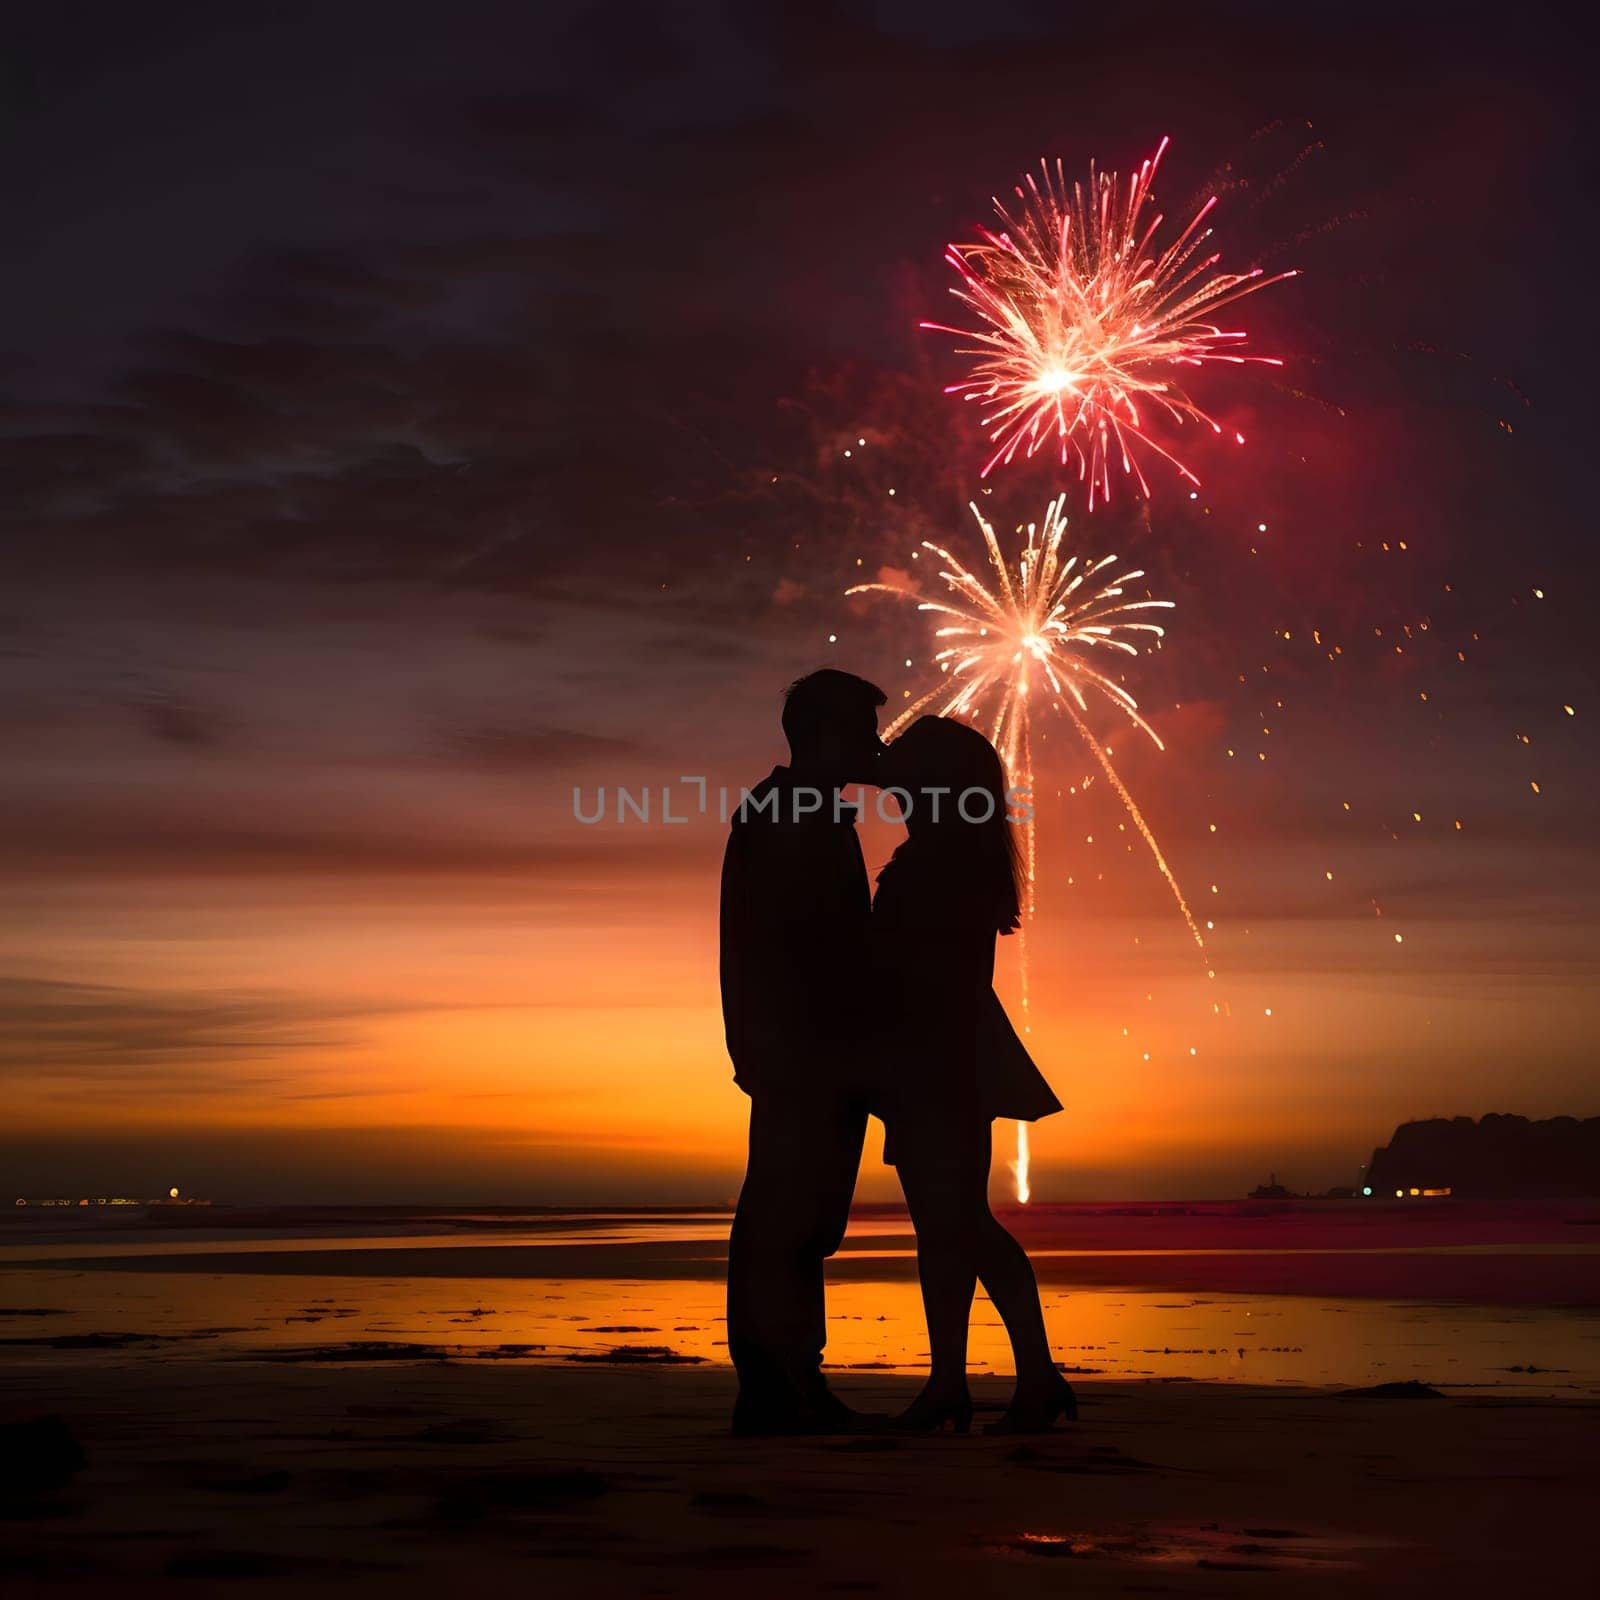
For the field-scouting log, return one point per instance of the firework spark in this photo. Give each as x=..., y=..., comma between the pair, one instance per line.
x=1035, y=633
x=1085, y=327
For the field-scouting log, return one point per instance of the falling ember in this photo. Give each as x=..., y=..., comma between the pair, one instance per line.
x=1019, y=1167
x=1083, y=323
x=1030, y=637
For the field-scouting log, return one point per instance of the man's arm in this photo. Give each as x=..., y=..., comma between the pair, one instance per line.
x=794, y=956
x=733, y=936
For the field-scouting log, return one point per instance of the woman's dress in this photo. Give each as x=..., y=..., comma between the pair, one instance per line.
x=949, y=1060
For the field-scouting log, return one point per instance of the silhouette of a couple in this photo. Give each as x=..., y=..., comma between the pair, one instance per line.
x=840, y=1003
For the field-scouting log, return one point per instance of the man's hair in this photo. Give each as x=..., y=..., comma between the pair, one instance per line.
x=812, y=702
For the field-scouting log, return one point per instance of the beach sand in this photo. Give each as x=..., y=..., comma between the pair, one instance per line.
x=435, y=1478
x=408, y=1402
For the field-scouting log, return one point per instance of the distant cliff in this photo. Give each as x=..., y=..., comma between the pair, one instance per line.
x=1499, y=1156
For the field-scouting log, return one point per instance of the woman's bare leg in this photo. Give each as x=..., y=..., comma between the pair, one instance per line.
x=1007, y=1277
x=947, y=1267
x=1008, y=1280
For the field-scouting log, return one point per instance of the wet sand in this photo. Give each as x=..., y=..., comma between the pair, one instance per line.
x=427, y=1478
x=417, y=1403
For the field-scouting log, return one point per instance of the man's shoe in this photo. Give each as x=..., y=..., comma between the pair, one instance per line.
x=834, y=1416
x=769, y=1419
x=824, y=1414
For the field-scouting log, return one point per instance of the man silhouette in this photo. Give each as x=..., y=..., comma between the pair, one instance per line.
x=795, y=987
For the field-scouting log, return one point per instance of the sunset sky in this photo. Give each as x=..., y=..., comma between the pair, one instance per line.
x=410, y=415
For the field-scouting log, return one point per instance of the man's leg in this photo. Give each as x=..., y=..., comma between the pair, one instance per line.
x=842, y=1129
x=755, y=1276
x=804, y=1153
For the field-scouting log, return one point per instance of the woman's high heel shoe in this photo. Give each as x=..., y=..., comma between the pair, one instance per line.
x=929, y=1414
x=1037, y=1414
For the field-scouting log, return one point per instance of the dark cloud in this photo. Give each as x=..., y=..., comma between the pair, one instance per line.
x=91, y=1028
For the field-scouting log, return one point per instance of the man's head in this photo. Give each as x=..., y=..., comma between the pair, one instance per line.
x=831, y=722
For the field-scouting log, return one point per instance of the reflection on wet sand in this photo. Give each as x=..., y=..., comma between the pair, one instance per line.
x=873, y=1325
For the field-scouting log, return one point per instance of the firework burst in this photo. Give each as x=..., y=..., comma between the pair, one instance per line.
x=1036, y=632
x=1085, y=327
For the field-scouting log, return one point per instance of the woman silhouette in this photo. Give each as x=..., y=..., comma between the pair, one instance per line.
x=952, y=1062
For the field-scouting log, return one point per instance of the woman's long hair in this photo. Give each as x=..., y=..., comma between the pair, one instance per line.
x=941, y=753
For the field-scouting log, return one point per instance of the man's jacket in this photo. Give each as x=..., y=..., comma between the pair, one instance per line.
x=795, y=913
